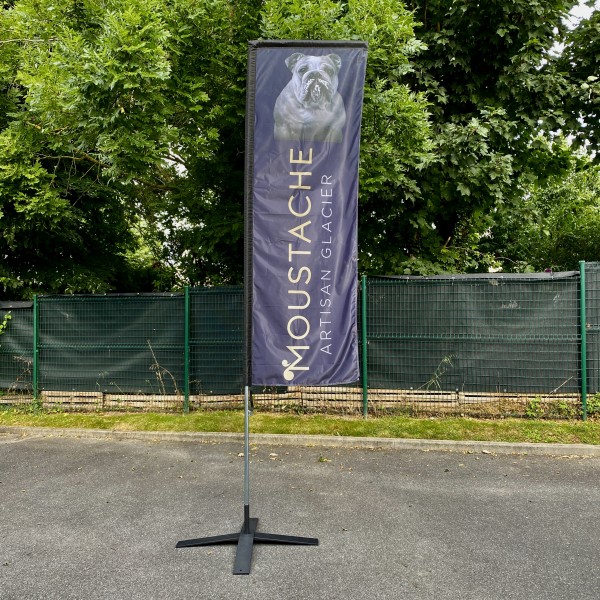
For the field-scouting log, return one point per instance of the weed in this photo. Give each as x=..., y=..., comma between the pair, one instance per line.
x=562, y=409
x=35, y=407
x=534, y=408
x=593, y=405
x=160, y=373
x=23, y=381
x=441, y=369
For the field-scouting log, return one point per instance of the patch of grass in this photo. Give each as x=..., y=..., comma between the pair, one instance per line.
x=447, y=428
x=223, y=421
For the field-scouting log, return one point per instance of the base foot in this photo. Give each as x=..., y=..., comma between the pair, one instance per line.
x=245, y=541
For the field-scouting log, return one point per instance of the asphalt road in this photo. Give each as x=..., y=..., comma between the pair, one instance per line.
x=97, y=519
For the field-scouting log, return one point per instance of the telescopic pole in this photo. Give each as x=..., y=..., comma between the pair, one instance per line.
x=248, y=535
x=247, y=459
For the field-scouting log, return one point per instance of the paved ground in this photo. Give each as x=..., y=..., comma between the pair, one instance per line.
x=99, y=519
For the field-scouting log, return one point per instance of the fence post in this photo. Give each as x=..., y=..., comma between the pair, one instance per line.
x=365, y=385
x=583, y=328
x=186, y=351
x=35, y=374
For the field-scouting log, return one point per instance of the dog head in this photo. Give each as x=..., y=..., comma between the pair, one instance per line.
x=314, y=78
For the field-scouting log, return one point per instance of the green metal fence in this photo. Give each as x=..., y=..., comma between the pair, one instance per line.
x=493, y=344
x=111, y=350
x=216, y=342
x=16, y=351
x=478, y=343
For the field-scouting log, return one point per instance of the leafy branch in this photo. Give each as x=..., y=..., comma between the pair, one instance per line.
x=5, y=320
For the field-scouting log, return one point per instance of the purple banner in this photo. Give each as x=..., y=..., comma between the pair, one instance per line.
x=304, y=193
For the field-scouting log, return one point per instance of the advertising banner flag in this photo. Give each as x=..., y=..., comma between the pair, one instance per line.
x=304, y=114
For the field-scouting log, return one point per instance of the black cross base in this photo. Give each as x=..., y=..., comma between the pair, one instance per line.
x=245, y=541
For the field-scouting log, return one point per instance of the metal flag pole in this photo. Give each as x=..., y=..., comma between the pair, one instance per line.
x=248, y=535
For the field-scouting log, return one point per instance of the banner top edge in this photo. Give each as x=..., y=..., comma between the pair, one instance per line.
x=308, y=43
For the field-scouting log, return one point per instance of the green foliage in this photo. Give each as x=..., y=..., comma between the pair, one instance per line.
x=578, y=64
x=493, y=87
x=122, y=144
x=98, y=80
x=554, y=226
x=534, y=408
x=593, y=405
x=102, y=121
x=549, y=408
x=4, y=323
x=63, y=212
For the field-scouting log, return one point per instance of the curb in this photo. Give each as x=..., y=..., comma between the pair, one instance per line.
x=464, y=447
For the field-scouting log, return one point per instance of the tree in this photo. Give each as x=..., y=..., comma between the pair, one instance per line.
x=122, y=144
x=63, y=209
x=117, y=95
x=136, y=109
x=555, y=226
x=497, y=90
x=578, y=64
x=395, y=134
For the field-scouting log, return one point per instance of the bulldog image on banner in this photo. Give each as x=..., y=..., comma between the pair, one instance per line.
x=310, y=108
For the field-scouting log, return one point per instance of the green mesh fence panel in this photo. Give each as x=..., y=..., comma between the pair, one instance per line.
x=126, y=344
x=592, y=286
x=482, y=334
x=496, y=333
x=16, y=350
x=217, y=340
